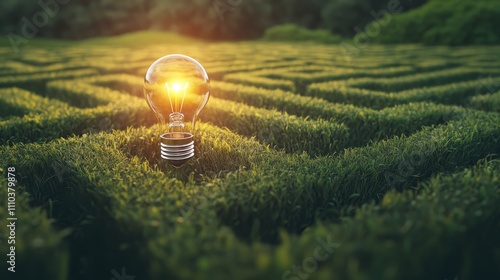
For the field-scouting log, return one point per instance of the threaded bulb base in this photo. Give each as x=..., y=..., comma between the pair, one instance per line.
x=177, y=147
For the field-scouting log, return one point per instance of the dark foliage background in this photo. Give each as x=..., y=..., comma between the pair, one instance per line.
x=207, y=19
x=446, y=22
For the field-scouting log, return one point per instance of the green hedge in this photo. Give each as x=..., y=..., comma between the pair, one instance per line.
x=488, y=102
x=293, y=134
x=456, y=93
x=429, y=79
x=39, y=79
x=295, y=33
x=253, y=80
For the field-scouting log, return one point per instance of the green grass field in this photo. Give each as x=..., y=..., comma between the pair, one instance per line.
x=308, y=165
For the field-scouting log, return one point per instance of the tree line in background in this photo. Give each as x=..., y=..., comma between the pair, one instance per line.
x=206, y=19
x=445, y=22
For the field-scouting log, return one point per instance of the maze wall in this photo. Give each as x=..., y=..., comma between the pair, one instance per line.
x=391, y=156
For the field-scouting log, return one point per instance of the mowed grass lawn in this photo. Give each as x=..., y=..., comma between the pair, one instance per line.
x=308, y=165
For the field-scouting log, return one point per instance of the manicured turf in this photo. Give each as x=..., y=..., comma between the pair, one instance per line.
x=388, y=163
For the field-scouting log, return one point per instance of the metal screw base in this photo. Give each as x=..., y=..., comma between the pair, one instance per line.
x=177, y=147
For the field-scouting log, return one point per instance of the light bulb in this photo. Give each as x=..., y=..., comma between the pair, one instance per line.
x=177, y=88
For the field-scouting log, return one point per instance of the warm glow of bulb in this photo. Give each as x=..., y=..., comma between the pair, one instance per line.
x=176, y=87
x=176, y=94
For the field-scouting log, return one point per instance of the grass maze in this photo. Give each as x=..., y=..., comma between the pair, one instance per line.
x=393, y=155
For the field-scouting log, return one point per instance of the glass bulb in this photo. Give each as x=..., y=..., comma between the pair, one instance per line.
x=177, y=88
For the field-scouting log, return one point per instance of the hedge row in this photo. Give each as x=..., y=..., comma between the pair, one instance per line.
x=18, y=68
x=293, y=134
x=40, y=57
x=26, y=102
x=50, y=119
x=488, y=102
x=435, y=78
x=337, y=73
x=82, y=94
x=217, y=73
x=456, y=93
x=37, y=81
x=253, y=80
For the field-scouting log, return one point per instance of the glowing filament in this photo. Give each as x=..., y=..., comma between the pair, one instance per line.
x=176, y=95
